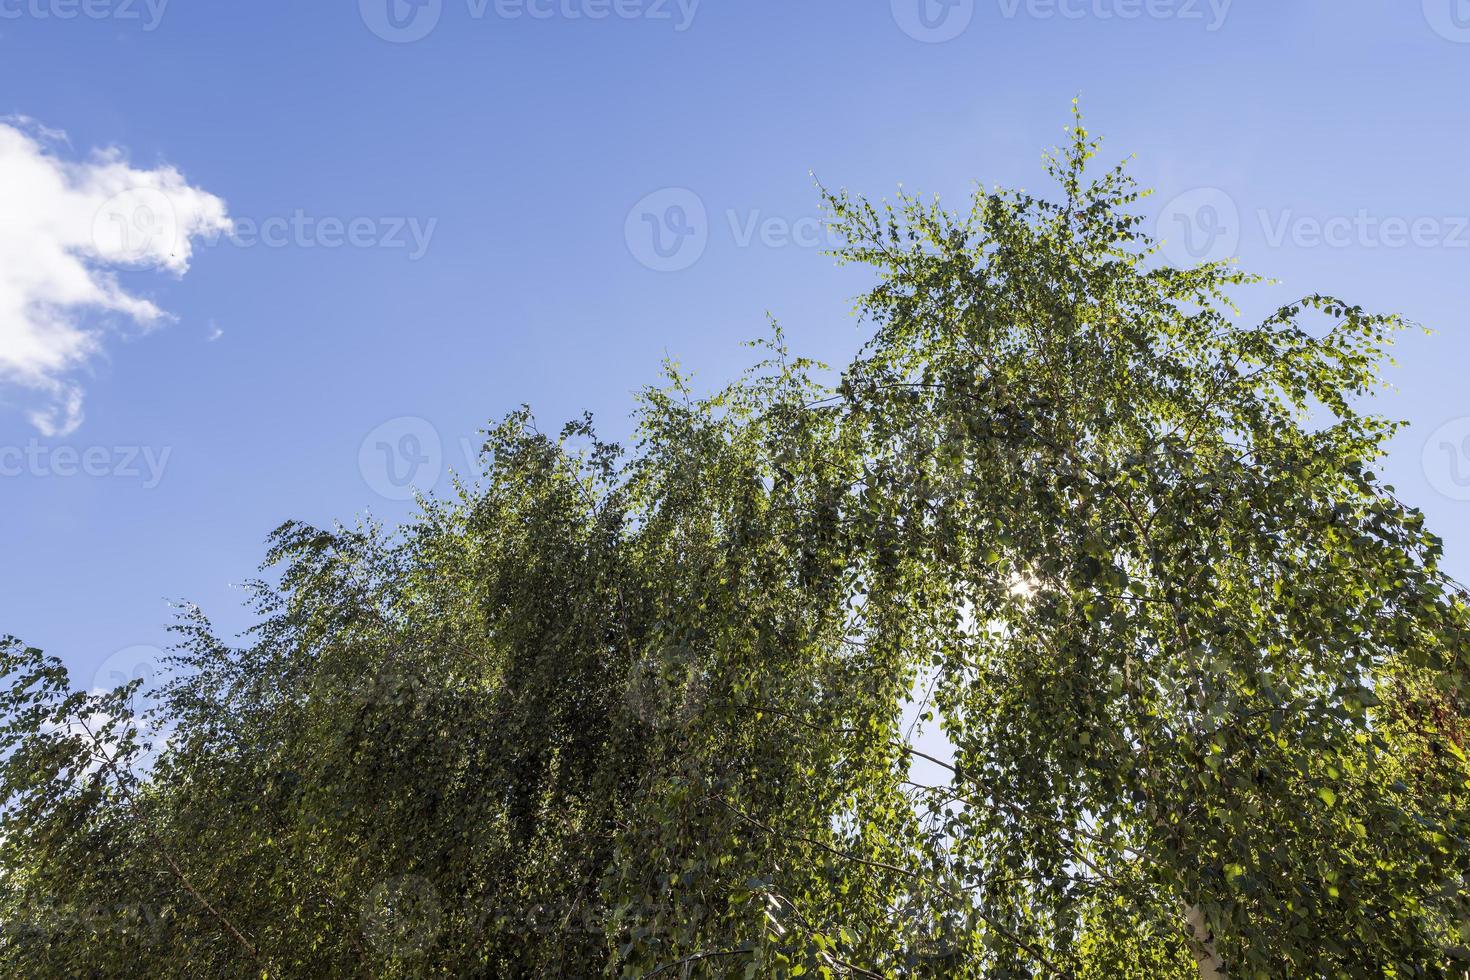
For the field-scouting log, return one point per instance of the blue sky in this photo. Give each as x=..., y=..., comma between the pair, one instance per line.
x=434, y=229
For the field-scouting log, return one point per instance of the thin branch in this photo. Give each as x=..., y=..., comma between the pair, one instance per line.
x=178, y=872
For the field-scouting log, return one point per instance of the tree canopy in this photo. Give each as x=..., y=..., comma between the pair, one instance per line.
x=642, y=712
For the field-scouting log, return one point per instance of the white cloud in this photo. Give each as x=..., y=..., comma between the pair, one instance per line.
x=65, y=225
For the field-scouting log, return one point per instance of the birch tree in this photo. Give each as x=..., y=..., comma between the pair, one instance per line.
x=641, y=712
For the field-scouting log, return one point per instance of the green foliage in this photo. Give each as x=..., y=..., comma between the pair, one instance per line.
x=641, y=713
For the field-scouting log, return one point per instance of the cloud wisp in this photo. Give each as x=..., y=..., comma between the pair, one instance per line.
x=69, y=225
